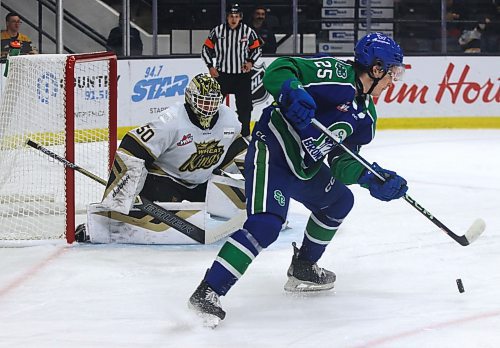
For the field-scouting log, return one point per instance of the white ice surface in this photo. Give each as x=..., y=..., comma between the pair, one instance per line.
x=396, y=272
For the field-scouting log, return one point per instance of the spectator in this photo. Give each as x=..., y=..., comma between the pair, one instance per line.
x=455, y=12
x=485, y=34
x=11, y=33
x=235, y=47
x=263, y=30
x=470, y=40
x=115, y=40
x=490, y=39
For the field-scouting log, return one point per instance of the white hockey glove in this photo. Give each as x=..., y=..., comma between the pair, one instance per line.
x=129, y=175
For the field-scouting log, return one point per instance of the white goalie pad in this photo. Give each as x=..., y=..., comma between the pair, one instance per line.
x=105, y=226
x=225, y=196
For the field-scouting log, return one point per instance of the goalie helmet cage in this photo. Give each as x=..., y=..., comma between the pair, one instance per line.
x=67, y=103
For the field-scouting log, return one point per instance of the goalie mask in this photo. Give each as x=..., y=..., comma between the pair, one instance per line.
x=203, y=95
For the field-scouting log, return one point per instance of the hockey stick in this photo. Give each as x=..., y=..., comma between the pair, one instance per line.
x=474, y=231
x=152, y=209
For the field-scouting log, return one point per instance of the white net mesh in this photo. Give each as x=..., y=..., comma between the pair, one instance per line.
x=34, y=106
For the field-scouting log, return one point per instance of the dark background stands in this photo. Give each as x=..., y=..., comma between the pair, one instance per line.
x=115, y=40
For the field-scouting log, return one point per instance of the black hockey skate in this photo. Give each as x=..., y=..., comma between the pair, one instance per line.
x=306, y=276
x=81, y=235
x=205, y=302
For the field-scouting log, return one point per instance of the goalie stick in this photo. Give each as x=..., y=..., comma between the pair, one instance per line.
x=156, y=211
x=474, y=231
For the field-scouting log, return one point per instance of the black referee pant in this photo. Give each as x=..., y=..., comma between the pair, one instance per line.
x=241, y=86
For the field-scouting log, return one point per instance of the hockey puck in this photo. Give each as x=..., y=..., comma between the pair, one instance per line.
x=460, y=285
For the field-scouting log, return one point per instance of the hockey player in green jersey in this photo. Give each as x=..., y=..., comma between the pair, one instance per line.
x=286, y=159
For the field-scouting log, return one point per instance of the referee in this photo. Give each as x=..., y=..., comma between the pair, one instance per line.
x=235, y=47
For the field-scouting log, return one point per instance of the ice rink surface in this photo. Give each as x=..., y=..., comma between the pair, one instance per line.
x=396, y=272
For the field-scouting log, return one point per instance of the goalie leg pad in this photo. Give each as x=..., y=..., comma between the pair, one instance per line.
x=225, y=196
x=105, y=226
x=126, y=181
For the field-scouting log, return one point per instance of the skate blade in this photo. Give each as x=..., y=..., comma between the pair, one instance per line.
x=296, y=285
x=208, y=320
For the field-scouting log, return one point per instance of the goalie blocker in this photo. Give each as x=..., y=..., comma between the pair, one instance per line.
x=223, y=212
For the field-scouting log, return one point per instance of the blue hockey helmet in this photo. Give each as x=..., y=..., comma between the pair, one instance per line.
x=379, y=49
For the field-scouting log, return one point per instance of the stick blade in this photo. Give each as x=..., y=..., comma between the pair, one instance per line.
x=476, y=229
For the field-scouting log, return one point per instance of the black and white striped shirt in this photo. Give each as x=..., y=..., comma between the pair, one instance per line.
x=231, y=48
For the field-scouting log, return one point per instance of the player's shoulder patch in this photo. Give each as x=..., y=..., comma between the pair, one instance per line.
x=343, y=70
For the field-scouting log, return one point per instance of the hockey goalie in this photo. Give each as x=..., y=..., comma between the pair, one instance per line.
x=172, y=160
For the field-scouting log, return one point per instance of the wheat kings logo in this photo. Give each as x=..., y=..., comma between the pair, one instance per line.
x=207, y=155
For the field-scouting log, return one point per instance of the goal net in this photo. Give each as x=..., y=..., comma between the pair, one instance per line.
x=66, y=103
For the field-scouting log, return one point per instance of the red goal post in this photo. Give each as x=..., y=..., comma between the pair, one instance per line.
x=67, y=103
x=70, y=124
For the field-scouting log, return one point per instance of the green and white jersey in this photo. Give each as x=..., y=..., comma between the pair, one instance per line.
x=331, y=83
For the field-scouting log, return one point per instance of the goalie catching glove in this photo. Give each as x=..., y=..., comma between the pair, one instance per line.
x=125, y=183
x=393, y=187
